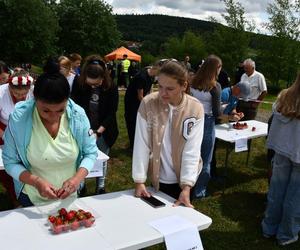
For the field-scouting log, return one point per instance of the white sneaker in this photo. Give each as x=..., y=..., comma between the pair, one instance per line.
x=287, y=242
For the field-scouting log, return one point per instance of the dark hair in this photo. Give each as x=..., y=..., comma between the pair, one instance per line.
x=94, y=67
x=74, y=57
x=51, y=65
x=52, y=88
x=3, y=68
x=175, y=70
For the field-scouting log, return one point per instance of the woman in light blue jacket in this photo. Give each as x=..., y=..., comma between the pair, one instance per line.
x=48, y=148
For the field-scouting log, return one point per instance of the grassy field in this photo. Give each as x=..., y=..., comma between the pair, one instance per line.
x=236, y=214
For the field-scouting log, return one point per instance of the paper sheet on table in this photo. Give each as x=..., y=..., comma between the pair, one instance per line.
x=179, y=233
x=241, y=145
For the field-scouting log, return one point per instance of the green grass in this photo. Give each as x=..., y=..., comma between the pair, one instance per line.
x=236, y=214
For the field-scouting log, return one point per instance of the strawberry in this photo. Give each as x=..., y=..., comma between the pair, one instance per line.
x=62, y=212
x=65, y=226
x=51, y=219
x=75, y=225
x=87, y=215
x=71, y=215
x=57, y=229
x=58, y=221
x=80, y=216
x=89, y=222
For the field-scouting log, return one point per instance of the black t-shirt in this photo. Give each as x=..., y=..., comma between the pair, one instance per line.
x=141, y=80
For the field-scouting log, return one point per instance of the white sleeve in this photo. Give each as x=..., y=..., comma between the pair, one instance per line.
x=262, y=83
x=191, y=155
x=141, y=151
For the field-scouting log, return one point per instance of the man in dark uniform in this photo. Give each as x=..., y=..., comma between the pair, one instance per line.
x=139, y=87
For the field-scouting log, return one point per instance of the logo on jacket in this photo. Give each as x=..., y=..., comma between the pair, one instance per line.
x=188, y=124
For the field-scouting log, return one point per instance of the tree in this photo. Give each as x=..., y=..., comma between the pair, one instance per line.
x=231, y=42
x=190, y=44
x=282, y=54
x=87, y=26
x=28, y=31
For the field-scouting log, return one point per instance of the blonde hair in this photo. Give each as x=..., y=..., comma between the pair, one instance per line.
x=288, y=101
x=206, y=76
x=65, y=62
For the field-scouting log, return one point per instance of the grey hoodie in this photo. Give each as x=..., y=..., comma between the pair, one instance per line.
x=284, y=136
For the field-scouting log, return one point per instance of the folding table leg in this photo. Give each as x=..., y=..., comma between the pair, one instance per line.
x=248, y=153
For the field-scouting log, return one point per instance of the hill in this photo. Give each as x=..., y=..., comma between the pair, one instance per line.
x=157, y=28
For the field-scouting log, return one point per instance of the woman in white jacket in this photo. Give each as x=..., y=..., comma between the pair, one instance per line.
x=166, y=146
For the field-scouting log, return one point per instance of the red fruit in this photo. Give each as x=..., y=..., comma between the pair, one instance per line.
x=88, y=215
x=57, y=229
x=75, y=225
x=52, y=219
x=62, y=212
x=253, y=128
x=89, y=222
x=58, y=221
x=80, y=216
x=70, y=215
x=245, y=124
x=65, y=226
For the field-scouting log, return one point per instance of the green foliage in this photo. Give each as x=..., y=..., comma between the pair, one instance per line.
x=190, y=44
x=281, y=55
x=87, y=26
x=28, y=30
x=231, y=43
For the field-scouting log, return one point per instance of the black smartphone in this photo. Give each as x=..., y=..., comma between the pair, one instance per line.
x=153, y=201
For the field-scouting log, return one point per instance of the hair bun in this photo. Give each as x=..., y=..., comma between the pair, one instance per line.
x=51, y=66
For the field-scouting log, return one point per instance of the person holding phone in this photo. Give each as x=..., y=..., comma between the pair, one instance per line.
x=169, y=131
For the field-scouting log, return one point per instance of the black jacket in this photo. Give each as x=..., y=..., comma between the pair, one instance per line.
x=108, y=106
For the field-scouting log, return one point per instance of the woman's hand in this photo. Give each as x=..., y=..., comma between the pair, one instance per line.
x=69, y=186
x=140, y=190
x=184, y=197
x=45, y=188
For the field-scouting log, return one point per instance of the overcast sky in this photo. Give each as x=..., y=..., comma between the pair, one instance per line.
x=199, y=9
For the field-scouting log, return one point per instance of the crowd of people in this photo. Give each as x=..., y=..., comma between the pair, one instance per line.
x=52, y=128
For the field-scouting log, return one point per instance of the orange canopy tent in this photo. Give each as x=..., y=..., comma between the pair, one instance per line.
x=118, y=54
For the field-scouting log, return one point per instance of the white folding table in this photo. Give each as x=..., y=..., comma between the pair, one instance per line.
x=95, y=172
x=123, y=224
x=228, y=134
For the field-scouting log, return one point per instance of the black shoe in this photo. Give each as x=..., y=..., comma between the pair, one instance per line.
x=100, y=191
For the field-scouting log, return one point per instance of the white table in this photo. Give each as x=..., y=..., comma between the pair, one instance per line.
x=227, y=133
x=96, y=171
x=123, y=224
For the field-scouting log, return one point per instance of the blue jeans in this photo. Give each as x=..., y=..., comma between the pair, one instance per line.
x=282, y=215
x=206, y=154
x=102, y=146
x=24, y=200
